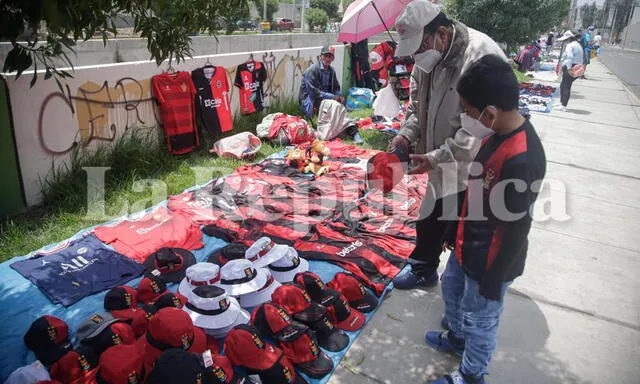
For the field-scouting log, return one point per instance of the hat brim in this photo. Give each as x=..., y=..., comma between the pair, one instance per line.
x=277, y=253
x=248, y=287
x=318, y=368
x=408, y=46
x=185, y=288
x=222, y=320
x=313, y=313
x=188, y=259
x=243, y=318
x=287, y=277
x=101, y=328
x=254, y=299
x=336, y=342
x=353, y=322
x=365, y=305
x=48, y=356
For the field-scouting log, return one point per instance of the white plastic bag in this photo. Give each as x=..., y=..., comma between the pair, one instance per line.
x=332, y=119
x=240, y=146
x=386, y=103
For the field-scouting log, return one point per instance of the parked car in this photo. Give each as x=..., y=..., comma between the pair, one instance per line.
x=246, y=24
x=280, y=24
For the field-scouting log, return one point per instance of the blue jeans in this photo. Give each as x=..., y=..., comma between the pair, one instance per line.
x=471, y=317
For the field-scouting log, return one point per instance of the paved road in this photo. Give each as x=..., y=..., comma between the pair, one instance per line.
x=624, y=64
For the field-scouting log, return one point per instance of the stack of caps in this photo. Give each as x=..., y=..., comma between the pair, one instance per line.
x=212, y=309
x=245, y=348
x=354, y=291
x=121, y=304
x=338, y=309
x=283, y=261
x=101, y=331
x=252, y=285
x=295, y=300
x=48, y=338
x=194, y=368
x=295, y=339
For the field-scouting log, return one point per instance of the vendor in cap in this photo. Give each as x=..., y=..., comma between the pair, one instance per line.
x=443, y=49
x=319, y=82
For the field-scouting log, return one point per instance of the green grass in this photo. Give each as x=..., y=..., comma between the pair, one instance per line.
x=135, y=156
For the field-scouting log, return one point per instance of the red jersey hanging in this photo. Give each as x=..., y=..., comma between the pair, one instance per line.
x=250, y=77
x=175, y=93
x=213, y=106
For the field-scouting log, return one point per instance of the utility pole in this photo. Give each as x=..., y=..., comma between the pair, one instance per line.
x=264, y=10
x=302, y=17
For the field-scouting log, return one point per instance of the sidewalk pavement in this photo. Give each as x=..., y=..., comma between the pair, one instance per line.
x=574, y=316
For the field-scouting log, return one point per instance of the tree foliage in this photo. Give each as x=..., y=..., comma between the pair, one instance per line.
x=590, y=14
x=316, y=17
x=330, y=7
x=230, y=19
x=272, y=7
x=42, y=31
x=513, y=22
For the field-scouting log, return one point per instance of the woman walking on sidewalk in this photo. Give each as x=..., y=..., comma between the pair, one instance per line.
x=571, y=56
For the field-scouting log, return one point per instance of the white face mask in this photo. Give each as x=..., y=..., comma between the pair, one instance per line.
x=475, y=127
x=428, y=60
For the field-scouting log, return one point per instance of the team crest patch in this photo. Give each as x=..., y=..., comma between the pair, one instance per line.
x=328, y=323
x=97, y=319
x=82, y=251
x=133, y=378
x=220, y=373
x=488, y=178
x=199, y=378
x=53, y=334
x=284, y=315
x=256, y=340
x=287, y=374
x=186, y=344
x=176, y=302
x=219, y=84
x=224, y=304
x=183, y=87
x=364, y=293
x=116, y=339
x=155, y=287
x=295, y=261
x=306, y=296
x=84, y=364
x=314, y=349
x=128, y=299
x=248, y=272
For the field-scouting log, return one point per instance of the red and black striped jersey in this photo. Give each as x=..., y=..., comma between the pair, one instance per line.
x=175, y=93
x=213, y=105
x=250, y=77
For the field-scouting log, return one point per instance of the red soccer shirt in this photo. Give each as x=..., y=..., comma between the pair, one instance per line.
x=250, y=77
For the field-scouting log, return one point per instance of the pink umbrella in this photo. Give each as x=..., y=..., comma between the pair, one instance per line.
x=365, y=18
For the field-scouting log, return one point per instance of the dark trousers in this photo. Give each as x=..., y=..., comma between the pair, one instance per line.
x=565, y=86
x=430, y=229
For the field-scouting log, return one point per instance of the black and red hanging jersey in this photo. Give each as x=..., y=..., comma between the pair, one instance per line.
x=175, y=93
x=213, y=105
x=250, y=77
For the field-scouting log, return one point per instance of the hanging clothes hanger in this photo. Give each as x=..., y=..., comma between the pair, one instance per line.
x=208, y=64
x=251, y=56
x=171, y=70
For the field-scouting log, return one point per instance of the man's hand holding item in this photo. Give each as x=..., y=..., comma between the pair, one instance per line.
x=397, y=141
x=421, y=164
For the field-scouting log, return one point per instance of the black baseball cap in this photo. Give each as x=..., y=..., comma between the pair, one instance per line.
x=328, y=335
x=48, y=337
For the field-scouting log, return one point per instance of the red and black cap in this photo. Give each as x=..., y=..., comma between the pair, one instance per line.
x=169, y=264
x=233, y=251
x=316, y=289
x=150, y=288
x=121, y=364
x=354, y=291
x=119, y=333
x=122, y=297
x=170, y=299
x=170, y=328
x=386, y=169
x=192, y=369
x=273, y=320
x=328, y=335
x=48, y=337
x=245, y=348
x=297, y=302
x=137, y=318
x=305, y=354
x=76, y=366
x=345, y=317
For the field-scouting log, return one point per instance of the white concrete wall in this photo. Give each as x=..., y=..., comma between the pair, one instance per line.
x=102, y=102
x=93, y=52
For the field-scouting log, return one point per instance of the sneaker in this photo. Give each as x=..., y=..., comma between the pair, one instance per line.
x=441, y=341
x=411, y=280
x=458, y=378
x=562, y=108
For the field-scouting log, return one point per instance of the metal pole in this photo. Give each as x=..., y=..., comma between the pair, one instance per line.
x=264, y=10
x=383, y=23
x=302, y=17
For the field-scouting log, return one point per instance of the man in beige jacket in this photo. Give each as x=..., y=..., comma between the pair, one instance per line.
x=443, y=49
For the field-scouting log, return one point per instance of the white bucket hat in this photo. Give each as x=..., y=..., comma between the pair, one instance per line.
x=199, y=275
x=254, y=299
x=264, y=252
x=211, y=308
x=286, y=268
x=243, y=318
x=240, y=277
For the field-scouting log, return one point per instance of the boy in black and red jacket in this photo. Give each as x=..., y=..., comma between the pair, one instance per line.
x=489, y=242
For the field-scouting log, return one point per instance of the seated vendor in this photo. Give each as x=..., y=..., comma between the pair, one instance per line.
x=319, y=82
